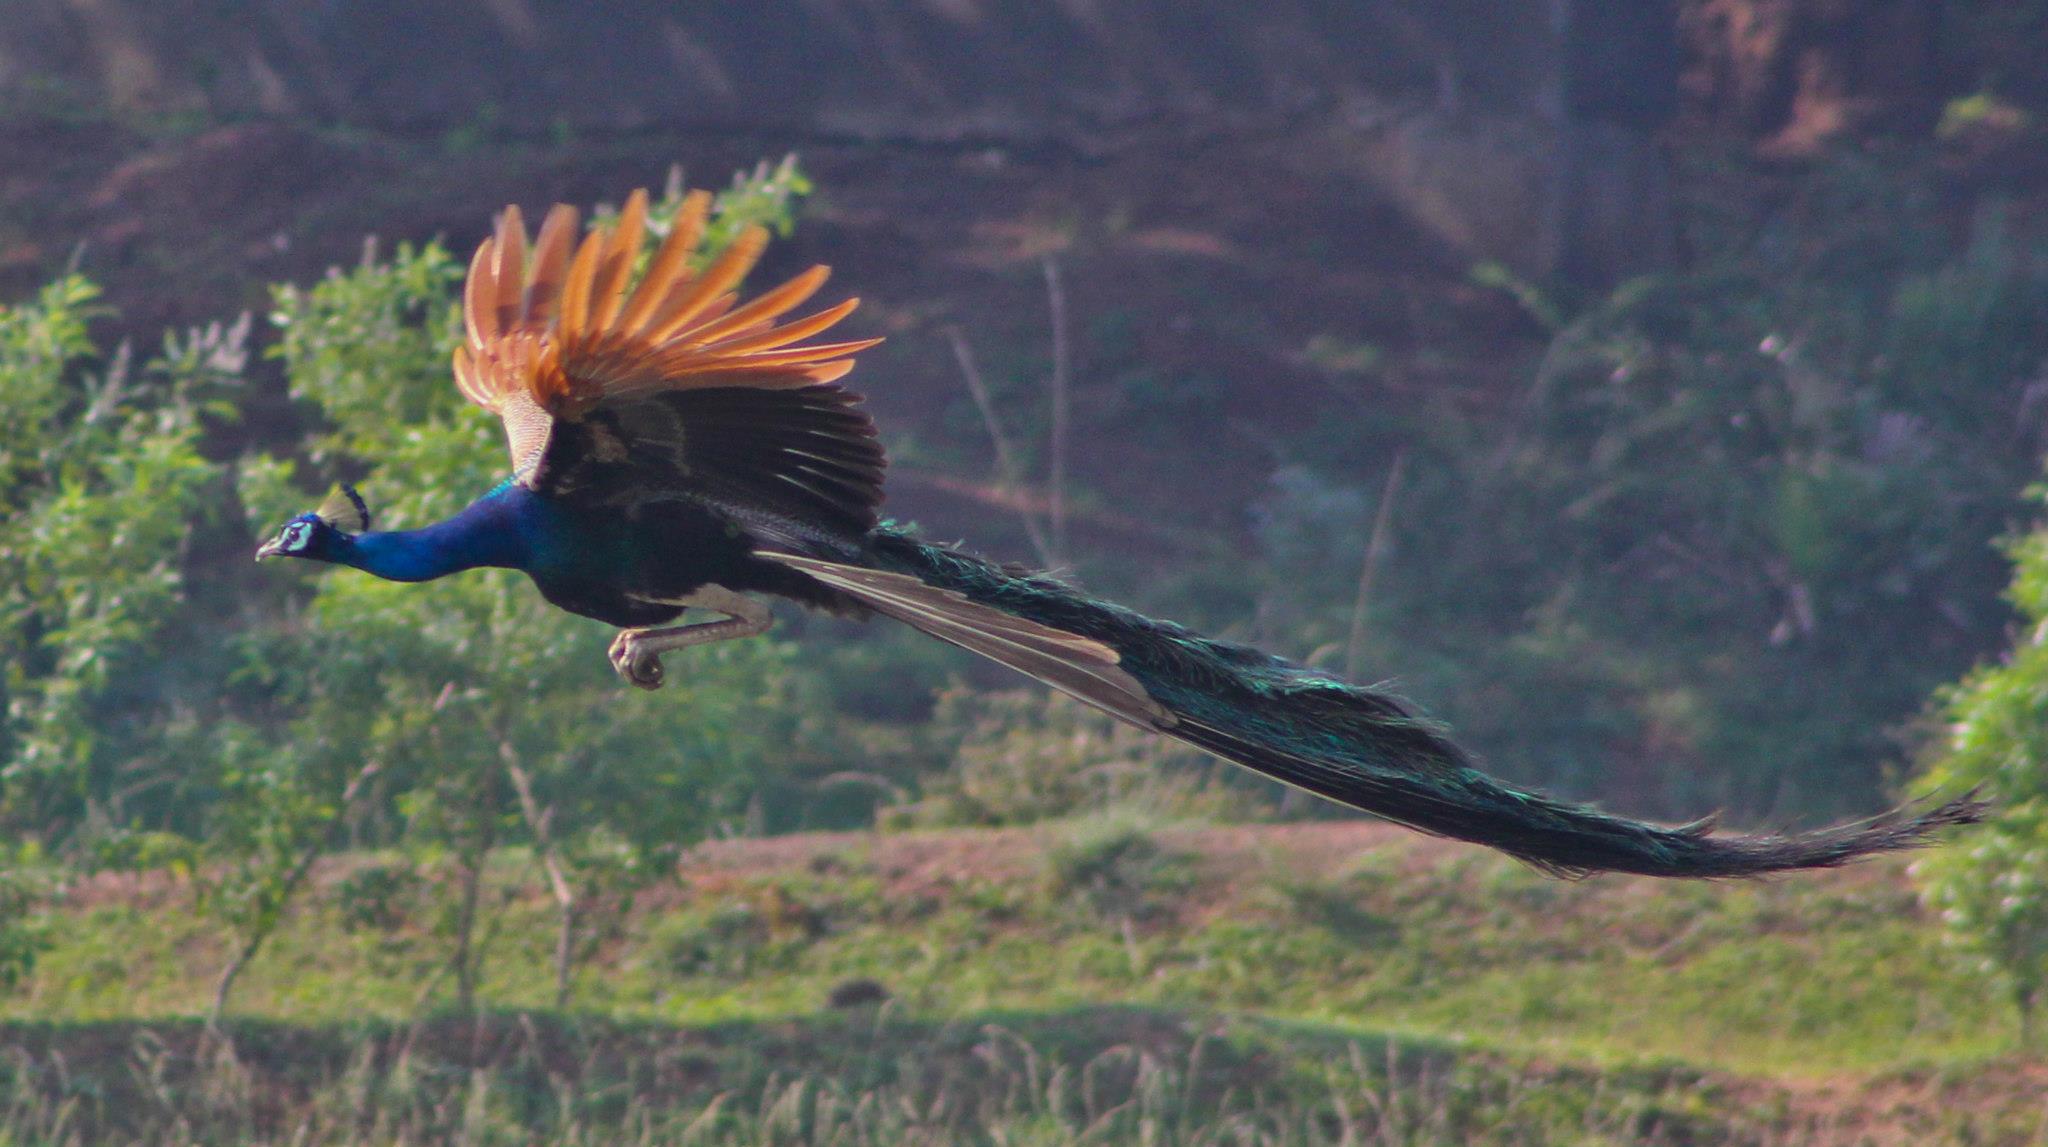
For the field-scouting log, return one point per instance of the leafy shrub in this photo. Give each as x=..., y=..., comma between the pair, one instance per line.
x=1022, y=756
x=767, y=928
x=487, y=713
x=1112, y=864
x=236, y=728
x=1736, y=528
x=722, y=941
x=1991, y=888
x=376, y=897
x=1333, y=905
x=25, y=928
x=103, y=485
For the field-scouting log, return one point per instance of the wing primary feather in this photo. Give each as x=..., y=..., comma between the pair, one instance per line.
x=789, y=332
x=837, y=456
x=682, y=358
x=820, y=485
x=647, y=382
x=734, y=377
x=671, y=263
x=843, y=460
x=467, y=381
x=576, y=288
x=622, y=247
x=767, y=307
x=550, y=263
x=479, y=296
x=724, y=273
x=508, y=268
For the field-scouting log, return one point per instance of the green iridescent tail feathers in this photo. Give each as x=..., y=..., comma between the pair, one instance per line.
x=1341, y=741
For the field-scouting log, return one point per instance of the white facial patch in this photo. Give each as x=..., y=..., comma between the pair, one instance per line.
x=294, y=537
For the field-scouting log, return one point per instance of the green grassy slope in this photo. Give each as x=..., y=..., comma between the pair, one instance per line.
x=1311, y=950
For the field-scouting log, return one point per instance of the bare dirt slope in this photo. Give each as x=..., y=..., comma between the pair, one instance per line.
x=1194, y=312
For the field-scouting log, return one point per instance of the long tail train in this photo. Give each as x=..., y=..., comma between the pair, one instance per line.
x=1341, y=741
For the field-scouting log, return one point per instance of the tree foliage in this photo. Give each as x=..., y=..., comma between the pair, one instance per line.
x=159, y=710
x=1737, y=527
x=1992, y=888
x=102, y=486
x=488, y=715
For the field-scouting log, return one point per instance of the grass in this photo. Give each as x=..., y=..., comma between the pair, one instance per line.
x=1536, y=1003
x=1100, y=1075
x=1813, y=975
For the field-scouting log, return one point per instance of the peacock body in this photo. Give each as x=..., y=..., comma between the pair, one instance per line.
x=674, y=448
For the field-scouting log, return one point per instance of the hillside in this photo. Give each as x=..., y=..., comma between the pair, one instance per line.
x=1689, y=347
x=1256, y=330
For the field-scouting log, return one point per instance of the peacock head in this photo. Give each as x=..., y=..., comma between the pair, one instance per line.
x=323, y=534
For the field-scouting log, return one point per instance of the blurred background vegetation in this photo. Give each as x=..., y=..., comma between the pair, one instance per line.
x=1652, y=393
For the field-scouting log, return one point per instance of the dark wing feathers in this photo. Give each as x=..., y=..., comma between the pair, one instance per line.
x=671, y=386
x=804, y=457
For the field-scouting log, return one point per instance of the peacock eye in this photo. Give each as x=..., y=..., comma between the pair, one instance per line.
x=295, y=537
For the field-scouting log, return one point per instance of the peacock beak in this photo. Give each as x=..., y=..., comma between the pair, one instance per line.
x=268, y=549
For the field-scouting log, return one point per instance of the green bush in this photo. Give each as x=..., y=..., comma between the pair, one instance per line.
x=165, y=706
x=1114, y=865
x=470, y=695
x=1991, y=888
x=1735, y=529
x=104, y=489
x=1027, y=755
x=26, y=892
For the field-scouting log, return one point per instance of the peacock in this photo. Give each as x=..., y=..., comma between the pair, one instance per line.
x=677, y=447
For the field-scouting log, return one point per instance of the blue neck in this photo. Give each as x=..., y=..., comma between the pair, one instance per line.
x=485, y=533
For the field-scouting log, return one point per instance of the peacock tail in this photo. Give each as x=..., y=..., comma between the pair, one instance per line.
x=1348, y=743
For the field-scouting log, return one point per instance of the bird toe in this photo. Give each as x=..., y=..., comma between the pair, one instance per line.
x=645, y=671
x=638, y=666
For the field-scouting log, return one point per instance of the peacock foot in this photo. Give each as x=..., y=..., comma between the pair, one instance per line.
x=635, y=662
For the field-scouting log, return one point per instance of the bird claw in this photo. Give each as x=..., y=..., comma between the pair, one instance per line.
x=639, y=666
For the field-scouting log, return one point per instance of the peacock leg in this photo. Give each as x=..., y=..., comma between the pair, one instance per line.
x=636, y=653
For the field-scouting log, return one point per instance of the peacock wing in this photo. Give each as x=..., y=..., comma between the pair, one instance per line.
x=615, y=388
x=793, y=467
x=1078, y=666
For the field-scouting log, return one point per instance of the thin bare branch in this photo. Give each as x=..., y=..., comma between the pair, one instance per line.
x=253, y=944
x=1370, y=563
x=551, y=862
x=1006, y=457
x=1056, y=301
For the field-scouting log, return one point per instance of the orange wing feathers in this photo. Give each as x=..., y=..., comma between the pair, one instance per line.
x=554, y=335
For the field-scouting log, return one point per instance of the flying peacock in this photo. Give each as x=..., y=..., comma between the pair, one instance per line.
x=675, y=447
